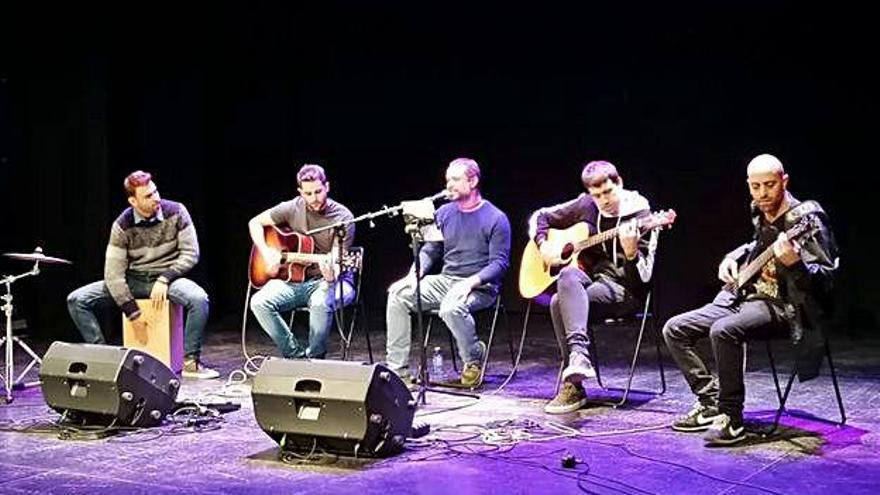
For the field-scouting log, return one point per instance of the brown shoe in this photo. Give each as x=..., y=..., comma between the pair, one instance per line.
x=571, y=398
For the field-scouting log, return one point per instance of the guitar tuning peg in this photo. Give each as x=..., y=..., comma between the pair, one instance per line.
x=372, y=224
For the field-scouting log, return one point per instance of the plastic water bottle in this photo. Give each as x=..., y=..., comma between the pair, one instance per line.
x=437, y=363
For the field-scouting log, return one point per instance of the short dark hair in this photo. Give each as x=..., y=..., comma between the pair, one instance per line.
x=595, y=173
x=310, y=172
x=471, y=168
x=135, y=180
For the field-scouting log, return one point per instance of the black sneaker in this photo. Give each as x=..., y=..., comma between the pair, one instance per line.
x=725, y=431
x=571, y=398
x=699, y=419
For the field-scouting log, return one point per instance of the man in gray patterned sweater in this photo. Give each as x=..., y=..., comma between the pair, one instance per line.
x=152, y=245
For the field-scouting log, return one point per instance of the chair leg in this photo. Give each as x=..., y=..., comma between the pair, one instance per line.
x=783, y=400
x=491, y=339
x=836, y=385
x=658, y=337
x=453, y=351
x=559, y=344
x=635, y=360
x=366, y=330
x=773, y=372
x=509, y=337
x=593, y=349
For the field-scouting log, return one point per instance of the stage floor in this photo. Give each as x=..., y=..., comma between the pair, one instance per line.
x=500, y=443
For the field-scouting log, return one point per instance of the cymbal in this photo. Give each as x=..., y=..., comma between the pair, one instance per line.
x=37, y=256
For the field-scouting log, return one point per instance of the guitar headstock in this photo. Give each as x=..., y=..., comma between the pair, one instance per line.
x=806, y=226
x=658, y=220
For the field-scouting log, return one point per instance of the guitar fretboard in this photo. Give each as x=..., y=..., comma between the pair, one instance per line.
x=757, y=264
x=603, y=236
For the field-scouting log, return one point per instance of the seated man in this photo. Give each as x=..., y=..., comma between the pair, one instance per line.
x=320, y=289
x=152, y=245
x=614, y=272
x=475, y=254
x=790, y=292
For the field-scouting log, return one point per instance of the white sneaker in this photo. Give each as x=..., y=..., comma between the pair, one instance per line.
x=193, y=368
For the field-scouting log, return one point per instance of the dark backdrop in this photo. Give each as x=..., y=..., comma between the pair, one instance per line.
x=224, y=102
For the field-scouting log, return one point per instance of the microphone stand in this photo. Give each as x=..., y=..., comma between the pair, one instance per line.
x=340, y=231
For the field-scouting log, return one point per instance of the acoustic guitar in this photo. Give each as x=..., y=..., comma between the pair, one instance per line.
x=297, y=254
x=535, y=275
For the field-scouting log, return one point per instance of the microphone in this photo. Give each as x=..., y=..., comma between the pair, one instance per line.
x=444, y=194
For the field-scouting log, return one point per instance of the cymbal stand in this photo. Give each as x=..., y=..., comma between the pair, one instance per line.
x=10, y=382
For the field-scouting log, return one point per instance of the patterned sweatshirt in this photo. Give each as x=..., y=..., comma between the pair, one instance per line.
x=165, y=247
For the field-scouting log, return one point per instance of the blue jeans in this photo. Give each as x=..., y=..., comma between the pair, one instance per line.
x=85, y=301
x=319, y=296
x=456, y=314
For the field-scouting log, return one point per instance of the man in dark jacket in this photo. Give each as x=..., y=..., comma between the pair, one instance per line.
x=790, y=291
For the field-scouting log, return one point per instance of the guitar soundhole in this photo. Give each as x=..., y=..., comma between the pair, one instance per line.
x=567, y=251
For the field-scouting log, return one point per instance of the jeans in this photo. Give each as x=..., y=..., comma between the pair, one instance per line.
x=570, y=306
x=455, y=313
x=728, y=325
x=318, y=295
x=83, y=303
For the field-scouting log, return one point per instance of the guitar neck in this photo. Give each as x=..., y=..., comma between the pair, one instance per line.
x=601, y=237
x=304, y=258
x=755, y=266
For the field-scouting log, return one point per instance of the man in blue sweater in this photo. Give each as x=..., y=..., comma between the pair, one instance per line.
x=475, y=254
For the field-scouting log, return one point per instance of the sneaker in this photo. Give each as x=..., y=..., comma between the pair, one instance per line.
x=579, y=368
x=472, y=376
x=699, y=419
x=725, y=431
x=571, y=398
x=405, y=375
x=193, y=368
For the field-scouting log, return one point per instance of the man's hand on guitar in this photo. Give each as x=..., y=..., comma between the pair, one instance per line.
x=328, y=269
x=786, y=251
x=549, y=253
x=728, y=271
x=272, y=257
x=629, y=239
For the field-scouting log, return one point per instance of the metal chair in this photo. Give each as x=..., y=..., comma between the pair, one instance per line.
x=357, y=311
x=642, y=317
x=492, y=311
x=783, y=396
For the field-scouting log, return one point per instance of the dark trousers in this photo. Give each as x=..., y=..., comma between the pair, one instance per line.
x=570, y=307
x=729, y=324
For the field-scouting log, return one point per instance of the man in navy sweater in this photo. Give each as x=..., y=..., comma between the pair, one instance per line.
x=473, y=258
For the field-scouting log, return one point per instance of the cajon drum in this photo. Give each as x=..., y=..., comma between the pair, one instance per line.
x=163, y=338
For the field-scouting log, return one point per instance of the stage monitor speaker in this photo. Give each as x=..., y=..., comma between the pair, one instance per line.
x=340, y=407
x=92, y=384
